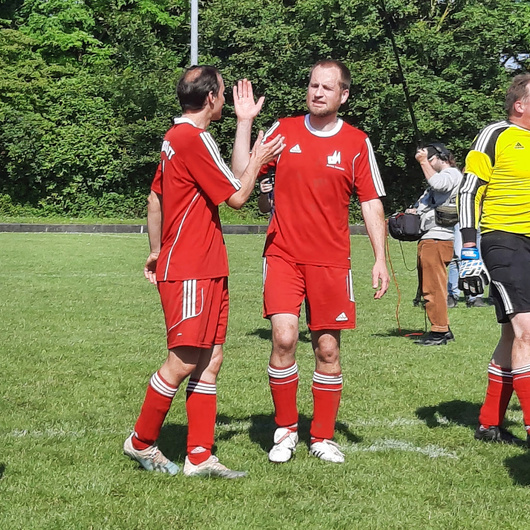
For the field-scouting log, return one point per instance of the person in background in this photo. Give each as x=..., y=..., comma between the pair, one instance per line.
x=495, y=197
x=435, y=248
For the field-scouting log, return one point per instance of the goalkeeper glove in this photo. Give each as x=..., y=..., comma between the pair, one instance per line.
x=473, y=274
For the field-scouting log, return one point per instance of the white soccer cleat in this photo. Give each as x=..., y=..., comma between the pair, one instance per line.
x=151, y=458
x=284, y=446
x=328, y=451
x=210, y=468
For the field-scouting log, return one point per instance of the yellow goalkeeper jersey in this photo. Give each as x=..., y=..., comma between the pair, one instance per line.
x=496, y=185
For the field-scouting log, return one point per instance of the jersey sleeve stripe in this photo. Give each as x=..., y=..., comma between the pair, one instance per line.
x=274, y=126
x=487, y=138
x=218, y=159
x=376, y=175
x=467, y=193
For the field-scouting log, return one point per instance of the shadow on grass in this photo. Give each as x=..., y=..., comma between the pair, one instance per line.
x=2, y=470
x=519, y=469
x=172, y=439
x=460, y=412
x=266, y=334
x=414, y=333
x=457, y=411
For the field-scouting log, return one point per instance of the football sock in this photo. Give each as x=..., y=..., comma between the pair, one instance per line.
x=327, y=390
x=156, y=405
x=201, y=407
x=521, y=386
x=498, y=394
x=284, y=385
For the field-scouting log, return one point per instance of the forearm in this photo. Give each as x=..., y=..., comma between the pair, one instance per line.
x=241, y=151
x=248, y=181
x=374, y=220
x=154, y=222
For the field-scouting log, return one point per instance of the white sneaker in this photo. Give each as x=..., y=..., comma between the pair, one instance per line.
x=210, y=468
x=328, y=451
x=284, y=446
x=151, y=458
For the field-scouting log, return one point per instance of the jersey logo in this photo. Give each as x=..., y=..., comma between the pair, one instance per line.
x=334, y=158
x=341, y=318
x=334, y=161
x=295, y=149
x=166, y=148
x=518, y=146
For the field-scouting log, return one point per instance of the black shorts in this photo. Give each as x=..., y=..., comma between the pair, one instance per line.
x=507, y=258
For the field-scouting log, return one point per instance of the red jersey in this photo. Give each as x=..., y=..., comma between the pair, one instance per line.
x=193, y=180
x=316, y=175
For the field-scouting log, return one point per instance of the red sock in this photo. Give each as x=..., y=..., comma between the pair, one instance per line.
x=156, y=405
x=521, y=385
x=284, y=385
x=327, y=390
x=498, y=394
x=201, y=407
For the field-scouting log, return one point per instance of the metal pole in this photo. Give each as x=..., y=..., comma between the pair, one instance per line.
x=194, y=32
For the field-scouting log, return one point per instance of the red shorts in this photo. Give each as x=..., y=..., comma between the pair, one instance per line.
x=328, y=292
x=196, y=312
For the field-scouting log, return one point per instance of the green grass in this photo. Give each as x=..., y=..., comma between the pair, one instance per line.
x=82, y=332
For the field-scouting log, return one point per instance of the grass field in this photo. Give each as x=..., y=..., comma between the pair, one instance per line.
x=82, y=332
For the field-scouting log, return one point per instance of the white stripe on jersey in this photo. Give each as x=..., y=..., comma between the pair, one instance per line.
x=189, y=299
x=189, y=302
x=274, y=126
x=349, y=286
x=484, y=136
x=374, y=169
x=467, y=206
x=196, y=196
x=282, y=373
x=324, y=379
x=201, y=388
x=264, y=273
x=210, y=144
x=507, y=303
x=159, y=386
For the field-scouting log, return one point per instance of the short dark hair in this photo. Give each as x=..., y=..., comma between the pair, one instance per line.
x=195, y=85
x=345, y=75
x=517, y=91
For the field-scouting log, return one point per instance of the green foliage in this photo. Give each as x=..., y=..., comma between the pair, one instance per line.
x=87, y=87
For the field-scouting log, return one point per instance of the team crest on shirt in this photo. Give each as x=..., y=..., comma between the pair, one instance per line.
x=518, y=146
x=334, y=161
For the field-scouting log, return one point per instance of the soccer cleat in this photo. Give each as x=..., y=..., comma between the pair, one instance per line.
x=328, y=451
x=435, y=338
x=496, y=434
x=210, y=468
x=452, y=301
x=476, y=302
x=151, y=458
x=449, y=336
x=284, y=446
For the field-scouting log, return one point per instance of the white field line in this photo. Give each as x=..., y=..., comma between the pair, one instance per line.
x=431, y=451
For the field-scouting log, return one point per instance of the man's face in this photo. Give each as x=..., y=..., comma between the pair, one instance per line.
x=324, y=93
x=219, y=101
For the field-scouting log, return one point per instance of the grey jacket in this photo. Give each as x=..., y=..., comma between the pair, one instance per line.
x=443, y=187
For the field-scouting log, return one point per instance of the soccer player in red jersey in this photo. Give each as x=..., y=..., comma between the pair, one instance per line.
x=307, y=252
x=188, y=263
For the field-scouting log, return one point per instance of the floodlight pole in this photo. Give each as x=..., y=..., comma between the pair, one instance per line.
x=194, y=32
